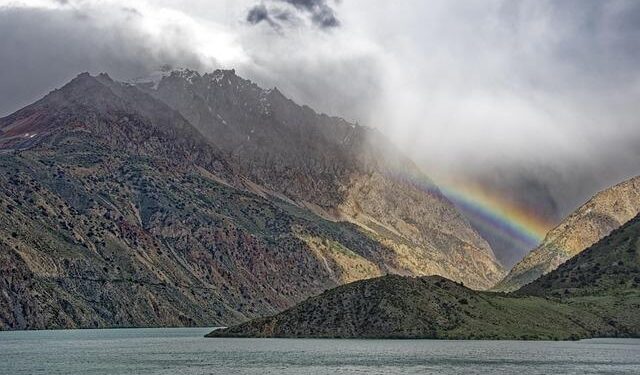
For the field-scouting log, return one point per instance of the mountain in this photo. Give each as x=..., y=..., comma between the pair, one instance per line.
x=606, y=211
x=426, y=307
x=609, y=267
x=340, y=171
x=117, y=211
x=595, y=294
x=603, y=279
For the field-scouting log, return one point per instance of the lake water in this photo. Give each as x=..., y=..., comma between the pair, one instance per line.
x=186, y=351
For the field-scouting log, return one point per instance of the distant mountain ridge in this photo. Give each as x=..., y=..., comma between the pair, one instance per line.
x=118, y=211
x=606, y=211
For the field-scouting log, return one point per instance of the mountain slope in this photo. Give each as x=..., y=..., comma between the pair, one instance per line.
x=113, y=216
x=603, y=279
x=341, y=171
x=612, y=265
x=594, y=220
x=115, y=211
x=596, y=293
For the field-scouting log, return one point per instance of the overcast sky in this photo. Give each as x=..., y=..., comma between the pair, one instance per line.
x=536, y=99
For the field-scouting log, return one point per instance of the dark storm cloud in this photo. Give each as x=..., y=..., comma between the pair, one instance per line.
x=258, y=14
x=318, y=12
x=321, y=13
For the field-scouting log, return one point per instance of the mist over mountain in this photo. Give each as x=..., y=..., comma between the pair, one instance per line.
x=187, y=199
x=533, y=100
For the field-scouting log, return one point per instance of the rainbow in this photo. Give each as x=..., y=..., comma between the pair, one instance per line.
x=495, y=214
x=501, y=217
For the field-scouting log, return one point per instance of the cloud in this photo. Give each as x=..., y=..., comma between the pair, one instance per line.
x=321, y=13
x=258, y=14
x=290, y=12
x=49, y=42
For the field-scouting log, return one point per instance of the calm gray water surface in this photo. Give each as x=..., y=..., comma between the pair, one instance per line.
x=186, y=351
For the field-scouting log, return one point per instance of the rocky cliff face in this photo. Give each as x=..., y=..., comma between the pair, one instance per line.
x=341, y=171
x=594, y=220
x=116, y=211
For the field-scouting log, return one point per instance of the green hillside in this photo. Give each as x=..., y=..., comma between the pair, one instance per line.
x=595, y=294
